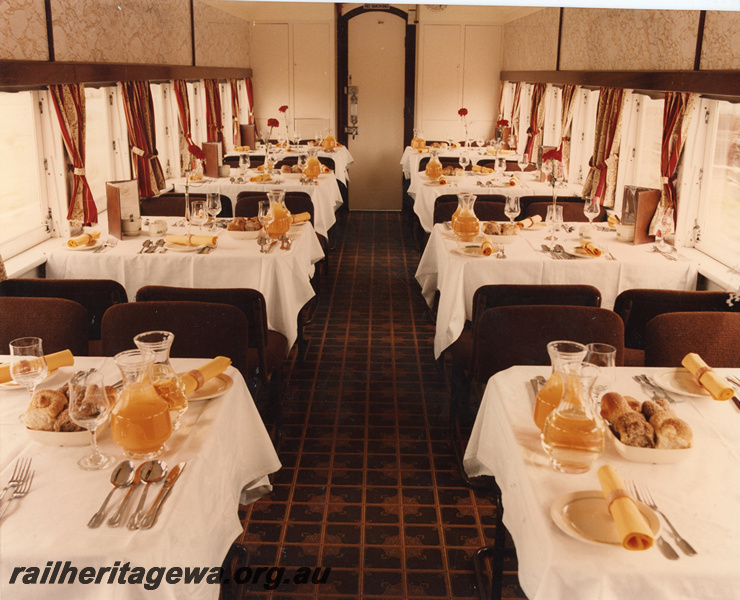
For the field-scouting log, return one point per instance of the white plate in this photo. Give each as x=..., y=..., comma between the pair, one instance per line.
x=680, y=381
x=182, y=247
x=585, y=516
x=97, y=243
x=578, y=251
x=213, y=388
x=655, y=456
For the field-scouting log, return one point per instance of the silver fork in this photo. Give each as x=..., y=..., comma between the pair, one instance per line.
x=20, y=491
x=20, y=472
x=647, y=498
x=665, y=548
x=501, y=252
x=111, y=242
x=734, y=381
x=654, y=390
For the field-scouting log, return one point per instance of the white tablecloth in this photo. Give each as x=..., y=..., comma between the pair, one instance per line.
x=283, y=277
x=411, y=158
x=341, y=156
x=325, y=196
x=700, y=495
x=456, y=276
x=226, y=448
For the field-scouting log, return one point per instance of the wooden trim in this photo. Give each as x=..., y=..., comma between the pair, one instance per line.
x=410, y=83
x=49, y=28
x=716, y=83
x=560, y=38
x=699, y=40
x=192, y=32
x=19, y=74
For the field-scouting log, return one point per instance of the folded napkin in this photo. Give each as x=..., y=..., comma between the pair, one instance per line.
x=260, y=178
x=192, y=240
x=195, y=378
x=325, y=169
x=486, y=248
x=241, y=148
x=442, y=180
x=707, y=378
x=633, y=529
x=480, y=169
x=53, y=361
x=613, y=220
x=591, y=248
x=513, y=181
x=529, y=221
x=86, y=239
x=301, y=217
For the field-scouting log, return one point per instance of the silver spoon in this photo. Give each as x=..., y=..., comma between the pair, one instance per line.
x=116, y=517
x=145, y=245
x=122, y=476
x=151, y=472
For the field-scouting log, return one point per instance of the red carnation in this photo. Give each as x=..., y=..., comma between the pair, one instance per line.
x=502, y=123
x=196, y=151
x=283, y=108
x=462, y=112
x=553, y=154
x=273, y=123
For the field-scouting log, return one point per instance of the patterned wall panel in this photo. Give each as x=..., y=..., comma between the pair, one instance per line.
x=628, y=40
x=134, y=31
x=721, y=45
x=531, y=43
x=221, y=39
x=23, y=27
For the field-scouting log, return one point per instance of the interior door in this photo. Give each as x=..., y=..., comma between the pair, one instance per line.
x=376, y=67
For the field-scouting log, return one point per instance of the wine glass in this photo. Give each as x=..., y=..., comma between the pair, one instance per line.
x=481, y=141
x=604, y=357
x=244, y=164
x=500, y=166
x=265, y=216
x=296, y=138
x=512, y=208
x=198, y=213
x=464, y=160
x=664, y=228
x=554, y=221
x=302, y=161
x=450, y=140
x=28, y=366
x=89, y=408
x=213, y=206
x=523, y=161
x=591, y=209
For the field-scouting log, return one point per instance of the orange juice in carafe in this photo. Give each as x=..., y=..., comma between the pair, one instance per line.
x=434, y=167
x=313, y=167
x=140, y=421
x=417, y=142
x=561, y=352
x=281, y=215
x=465, y=224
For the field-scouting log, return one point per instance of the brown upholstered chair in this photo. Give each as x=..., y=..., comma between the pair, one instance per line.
x=715, y=336
x=202, y=329
x=172, y=204
x=446, y=161
x=637, y=307
x=61, y=324
x=254, y=161
x=96, y=295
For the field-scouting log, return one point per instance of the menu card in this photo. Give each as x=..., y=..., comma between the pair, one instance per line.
x=247, y=135
x=214, y=158
x=123, y=204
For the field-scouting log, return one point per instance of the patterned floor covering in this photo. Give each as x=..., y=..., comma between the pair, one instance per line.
x=369, y=485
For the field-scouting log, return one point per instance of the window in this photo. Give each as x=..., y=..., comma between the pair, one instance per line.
x=23, y=207
x=553, y=106
x=583, y=128
x=167, y=128
x=198, y=126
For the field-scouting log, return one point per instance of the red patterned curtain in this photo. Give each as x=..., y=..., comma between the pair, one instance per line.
x=515, y=112
x=602, y=177
x=69, y=103
x=137, y=104
x=250, y=97
x=183, y=109
x=213, y=112
x=536, y=119
x=677, y=112
x=236, y=132
x=501, y=100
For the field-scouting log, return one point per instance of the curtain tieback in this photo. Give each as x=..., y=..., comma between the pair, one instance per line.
x=137, y=151
x=79, y=171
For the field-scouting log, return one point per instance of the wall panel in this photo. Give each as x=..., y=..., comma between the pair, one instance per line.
x=221, y=39
x=721, y=45
x=531, y=43
x=23, y=27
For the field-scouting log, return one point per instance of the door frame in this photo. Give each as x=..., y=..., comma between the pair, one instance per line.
x=343, y=67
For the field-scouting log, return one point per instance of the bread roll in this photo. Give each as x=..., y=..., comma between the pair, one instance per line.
x=651, y=407
x=613, y=405
x=65, y=424
x=670, y=431
x=633, y=430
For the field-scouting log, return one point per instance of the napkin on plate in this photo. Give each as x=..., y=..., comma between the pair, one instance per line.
x=590, y=248
x=486, y=248
x=301, y=217
x=480, y=169
x=195, y=378
x=633, y=529
x=86, y=239
x=707, y=378
x=53, y=361
x=529, y=221
x=192, y=240
x=260, y=178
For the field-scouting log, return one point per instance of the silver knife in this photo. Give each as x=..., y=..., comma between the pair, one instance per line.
x=151, y=517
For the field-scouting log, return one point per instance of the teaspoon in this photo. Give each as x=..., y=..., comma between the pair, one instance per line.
x=151, y=472
x=122, y=476
x=145, y=245
x=115, y=519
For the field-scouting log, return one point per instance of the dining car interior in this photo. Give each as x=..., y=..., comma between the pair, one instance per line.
x=356, y=301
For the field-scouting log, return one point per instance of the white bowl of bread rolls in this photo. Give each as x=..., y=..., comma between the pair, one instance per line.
x=647, y=432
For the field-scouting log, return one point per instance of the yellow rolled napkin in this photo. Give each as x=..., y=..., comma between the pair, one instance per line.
x=512, y=181
x=442, y=180
x=633, y=529
x=241, y=148
x=195, y=378
x=529, y=221
x=260, y=178
x=53, y=362
x=591, y=248
x=325, y=169
x=486, y=248
x=192, y=240
x=707, y=378
x=613, y=220
x=301, y=217
x=480, y=169
x=85, y=239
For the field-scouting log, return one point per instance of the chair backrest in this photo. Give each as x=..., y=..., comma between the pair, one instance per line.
x=446, y=161
x=637, y=307
x=60, y=323
x=288, y=160
x=518, y=335
x=247, y=203
x=172, y=204
x=715, y=336
x=202, y=329
x=254, y=161
x=488, y=207
x=572, y=210
x=96, y=295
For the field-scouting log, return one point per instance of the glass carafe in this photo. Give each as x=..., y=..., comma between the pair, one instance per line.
x=434, y=167
x=161, y=374
x=465, y=224
x=417, y=142
x=573, y=436
x=140, y=421
x=561, y=353
x=281, y=215
x=313, y=166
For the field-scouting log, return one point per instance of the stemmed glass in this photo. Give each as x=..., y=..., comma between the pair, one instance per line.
x=604, y=357
x=554, y=221
x=296, y=138
x=450, y=140
x=302, y=161
x=512, y=208
x=198, y=213
x=500, y=166
x=244, y=164
x=591, y=209
x=213, y=206
x=265, y=217
x=481, y=141
x=464, y=160
x=89, y=408
x=664, y=228
x=28, y=366
x=523, y=161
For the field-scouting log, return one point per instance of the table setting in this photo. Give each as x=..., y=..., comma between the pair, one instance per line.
x=625, y=518
x=81, y=497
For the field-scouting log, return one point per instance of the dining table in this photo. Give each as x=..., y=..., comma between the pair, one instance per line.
x=283, y=276
x=558, y=552
x=412, y=157
x=228, y=458
x=450, y=271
